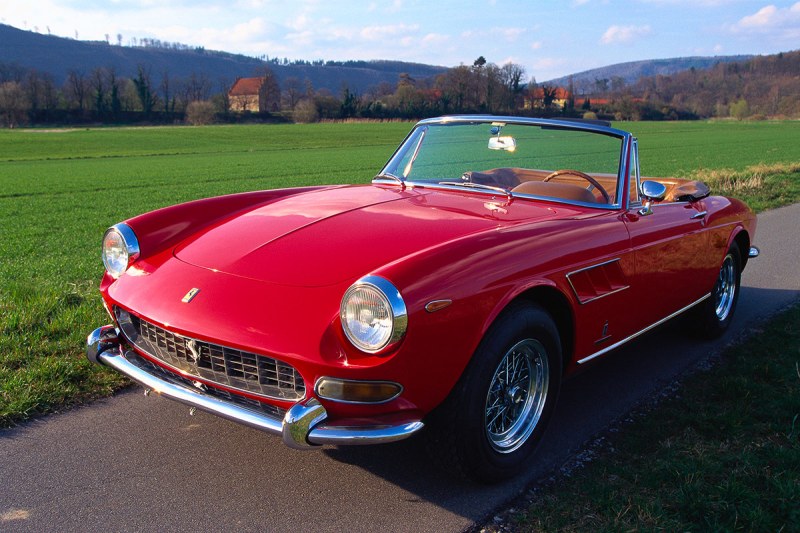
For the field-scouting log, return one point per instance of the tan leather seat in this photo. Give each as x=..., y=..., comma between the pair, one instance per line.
x=687, y=191
x=556, y=190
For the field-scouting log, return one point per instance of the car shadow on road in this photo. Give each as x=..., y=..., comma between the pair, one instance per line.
x=598, y=397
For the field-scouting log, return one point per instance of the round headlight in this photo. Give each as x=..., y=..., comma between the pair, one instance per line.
x=120, y=249
x=373, y=314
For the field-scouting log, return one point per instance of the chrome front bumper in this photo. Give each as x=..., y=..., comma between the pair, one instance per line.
x=302, y=427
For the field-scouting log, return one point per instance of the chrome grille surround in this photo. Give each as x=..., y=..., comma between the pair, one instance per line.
x=229, y=367
x=242, y=401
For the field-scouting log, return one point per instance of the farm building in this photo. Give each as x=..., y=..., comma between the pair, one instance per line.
x=547, y=96
x=244, y=95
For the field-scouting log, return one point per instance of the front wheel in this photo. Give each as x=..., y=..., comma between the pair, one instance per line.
x=496, y=415
x=712, y=317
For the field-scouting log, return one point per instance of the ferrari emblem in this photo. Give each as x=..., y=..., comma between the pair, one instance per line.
x=194, y=349
x=190, y=295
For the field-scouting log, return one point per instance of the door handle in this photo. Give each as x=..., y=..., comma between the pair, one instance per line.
x=701, y=214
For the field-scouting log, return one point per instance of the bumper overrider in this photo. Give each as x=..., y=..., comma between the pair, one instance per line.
x=302, y=427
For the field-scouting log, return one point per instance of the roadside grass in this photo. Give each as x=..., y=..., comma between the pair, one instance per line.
x=761, y=186
x=60, y=189
x=722, y=454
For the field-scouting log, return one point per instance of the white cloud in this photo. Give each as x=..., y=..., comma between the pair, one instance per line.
x=375, y=33
x=435, y=39
x=510, y=34
x=777, y=24
x=770, y=17
x=624, y=34
x=536, y=45
x=695, y=3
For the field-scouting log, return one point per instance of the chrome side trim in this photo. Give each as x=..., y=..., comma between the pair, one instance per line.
x=615, y=291
x=753, y=252
x=645, y=330
x=590, y=267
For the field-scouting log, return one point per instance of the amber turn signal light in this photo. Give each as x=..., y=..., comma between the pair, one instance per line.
x=352, y=391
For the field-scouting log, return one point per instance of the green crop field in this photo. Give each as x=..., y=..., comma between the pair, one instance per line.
x=60, y=189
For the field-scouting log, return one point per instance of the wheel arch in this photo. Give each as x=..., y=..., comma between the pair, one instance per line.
x=557, y=305
x=742, y=240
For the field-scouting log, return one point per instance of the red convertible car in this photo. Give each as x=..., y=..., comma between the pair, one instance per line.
x=488, y=260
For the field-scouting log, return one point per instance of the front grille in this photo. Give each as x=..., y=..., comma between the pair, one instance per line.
x=177, y=379
x=230, y=367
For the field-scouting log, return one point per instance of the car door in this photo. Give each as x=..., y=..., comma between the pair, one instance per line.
x=671, y=253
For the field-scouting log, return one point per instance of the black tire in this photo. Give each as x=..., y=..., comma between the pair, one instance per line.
x=712, y=317
x=497, y=413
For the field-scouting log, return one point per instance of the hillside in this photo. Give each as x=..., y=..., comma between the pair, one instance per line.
x=763, y=85
x=585, y=82
x=58, y=55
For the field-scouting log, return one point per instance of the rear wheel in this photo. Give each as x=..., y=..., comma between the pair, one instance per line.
x=712, y=317
x=496, y=415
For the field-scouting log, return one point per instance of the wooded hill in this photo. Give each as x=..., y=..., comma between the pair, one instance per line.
x=763, y=86
x=623, y=74
x=52, y=80
x=26, y=50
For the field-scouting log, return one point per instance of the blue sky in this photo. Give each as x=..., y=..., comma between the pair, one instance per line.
x=549, y=38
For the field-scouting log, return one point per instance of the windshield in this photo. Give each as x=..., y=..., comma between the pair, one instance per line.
x=527, y=159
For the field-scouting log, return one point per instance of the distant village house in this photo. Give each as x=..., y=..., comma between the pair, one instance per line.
x=256, y=95
x=244, y=95
x=543, y=97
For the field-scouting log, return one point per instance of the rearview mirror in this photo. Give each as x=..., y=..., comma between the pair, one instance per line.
x=507, y=143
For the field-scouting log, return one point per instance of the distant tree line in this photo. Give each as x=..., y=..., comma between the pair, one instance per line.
x=763, y=86
x=767, y=86
x=103, y=96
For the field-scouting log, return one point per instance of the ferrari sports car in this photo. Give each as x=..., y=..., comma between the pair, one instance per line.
x=487, y=261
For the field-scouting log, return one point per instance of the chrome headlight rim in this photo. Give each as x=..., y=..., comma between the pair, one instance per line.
x=130, y=243
x=396, y=307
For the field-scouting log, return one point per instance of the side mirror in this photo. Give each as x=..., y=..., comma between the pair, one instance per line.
x=651, y=191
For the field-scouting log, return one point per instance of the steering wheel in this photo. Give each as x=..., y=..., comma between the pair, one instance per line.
x=594, y=183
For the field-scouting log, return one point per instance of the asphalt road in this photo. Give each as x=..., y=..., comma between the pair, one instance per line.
x=132, y=463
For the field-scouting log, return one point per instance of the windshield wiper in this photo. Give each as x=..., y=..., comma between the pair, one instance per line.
x=388, y=176
x=474, y=185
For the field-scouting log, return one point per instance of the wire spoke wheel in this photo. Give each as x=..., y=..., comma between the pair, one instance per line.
x=725, y=289
x=516, y=396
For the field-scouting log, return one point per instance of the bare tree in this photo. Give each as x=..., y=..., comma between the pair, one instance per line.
x=34, y=88
x=223, y=98
x=76, y=89
x=292, y=92
x=100, y=89
x=269, y=94
x=144, y=90
x=511, y=76
x=168, y=97
x=13, y=106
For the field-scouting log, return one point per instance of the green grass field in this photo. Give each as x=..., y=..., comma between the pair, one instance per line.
x=60, y=189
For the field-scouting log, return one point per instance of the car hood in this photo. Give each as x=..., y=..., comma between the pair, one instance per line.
x=328, y=236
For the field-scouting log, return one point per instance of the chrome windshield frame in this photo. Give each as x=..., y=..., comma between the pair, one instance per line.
x=623, y=174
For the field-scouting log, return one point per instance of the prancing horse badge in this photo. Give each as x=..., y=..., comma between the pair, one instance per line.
x=190, y=296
